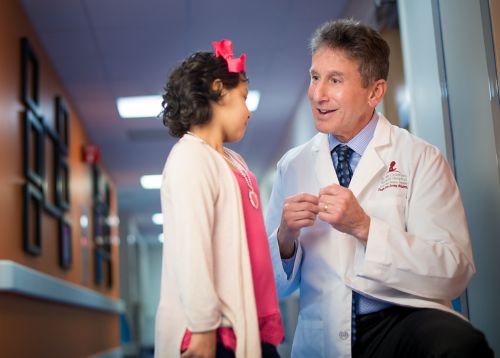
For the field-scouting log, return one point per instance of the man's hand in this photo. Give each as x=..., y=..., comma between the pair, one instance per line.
x=340, y=208
x=202, y=345
x=298, y=211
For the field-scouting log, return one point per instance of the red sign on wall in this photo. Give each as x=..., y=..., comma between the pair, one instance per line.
x=91, y=153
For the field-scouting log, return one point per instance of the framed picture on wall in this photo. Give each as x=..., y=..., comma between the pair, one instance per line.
x=32, y=219
x=65, y=244
x=33, y=148
x=99, y=207
x=103, y=268
x=62, y=183
x=106, y=211
x=101, y=228
x=98, y=265
x=96, y=183
x=62, y=124
x=51, y=173
x=30, y=77
x=109, y=276
x=99, y=222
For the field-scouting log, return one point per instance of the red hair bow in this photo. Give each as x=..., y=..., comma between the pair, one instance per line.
x=224, y=48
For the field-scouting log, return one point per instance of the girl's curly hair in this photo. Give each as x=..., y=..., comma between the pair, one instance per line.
x=189, y=93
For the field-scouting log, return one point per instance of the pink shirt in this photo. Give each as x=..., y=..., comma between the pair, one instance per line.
x=266, y=299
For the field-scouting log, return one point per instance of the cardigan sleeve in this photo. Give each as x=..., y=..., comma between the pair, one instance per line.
x=190, y=189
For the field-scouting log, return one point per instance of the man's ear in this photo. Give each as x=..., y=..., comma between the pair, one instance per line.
x=379, y=88
x=217, y=85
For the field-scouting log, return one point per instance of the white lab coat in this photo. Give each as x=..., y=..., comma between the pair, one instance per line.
x=418, y=252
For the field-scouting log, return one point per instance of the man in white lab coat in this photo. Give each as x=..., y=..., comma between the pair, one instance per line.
x=366, y=219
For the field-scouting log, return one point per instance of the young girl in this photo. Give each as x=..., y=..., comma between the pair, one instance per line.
x=218, y=296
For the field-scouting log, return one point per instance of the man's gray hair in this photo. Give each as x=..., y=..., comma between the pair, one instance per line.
x=358, y=42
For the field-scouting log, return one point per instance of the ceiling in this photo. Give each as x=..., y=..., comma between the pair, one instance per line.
x=104, y=49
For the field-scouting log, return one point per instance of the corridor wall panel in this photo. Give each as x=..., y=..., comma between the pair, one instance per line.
x=30, y=325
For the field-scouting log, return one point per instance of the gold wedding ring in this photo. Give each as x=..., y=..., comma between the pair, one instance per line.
x=325, y=207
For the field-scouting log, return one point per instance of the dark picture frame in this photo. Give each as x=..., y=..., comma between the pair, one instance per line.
x=47, y=186
x=62, y=123
x=33, y=144
x=103, y=267
x=99, y=220
x=96, y=180
x=98, y=265
x=101, y=193
x=50, y=200
x=62, y=184
x=109, y=276
x=30, y=77
x=98, y=207
x=33, y=204
x=65, y=244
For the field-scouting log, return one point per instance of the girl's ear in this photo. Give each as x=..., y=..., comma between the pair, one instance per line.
x=217, y=85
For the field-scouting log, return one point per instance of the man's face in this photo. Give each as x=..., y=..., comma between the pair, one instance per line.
x=340, y=104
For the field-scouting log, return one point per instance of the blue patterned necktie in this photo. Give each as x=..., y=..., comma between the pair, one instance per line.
x=343, y=168
x=344, y=174
x=360, y=304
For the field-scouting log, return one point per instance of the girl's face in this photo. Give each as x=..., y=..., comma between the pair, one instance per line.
x=231, y=113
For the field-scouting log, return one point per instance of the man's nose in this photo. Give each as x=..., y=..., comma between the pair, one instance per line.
x=320, y=92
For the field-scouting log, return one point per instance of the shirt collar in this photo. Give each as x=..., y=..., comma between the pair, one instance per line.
x=360, y=141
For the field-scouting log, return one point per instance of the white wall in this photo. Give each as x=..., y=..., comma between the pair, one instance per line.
x=424, y=74
x=475, y=121
x=140, y=270
x=448, y=59
x=150, y=256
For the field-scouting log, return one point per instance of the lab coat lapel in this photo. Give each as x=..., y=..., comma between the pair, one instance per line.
x=323, y=165
x=371, y=163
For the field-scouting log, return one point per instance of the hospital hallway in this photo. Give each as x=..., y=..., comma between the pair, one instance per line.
x=83, y=146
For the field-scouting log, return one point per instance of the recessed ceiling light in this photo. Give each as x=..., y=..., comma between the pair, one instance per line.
x=84, y=221
x=160, y=238
x=150, y=106
x=157, y=219
x=139, y=106
x=113, y=220
x=151, y=181
x=253, y=99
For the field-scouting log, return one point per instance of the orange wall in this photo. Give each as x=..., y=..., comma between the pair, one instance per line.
x=14, y=24
x=37, y=328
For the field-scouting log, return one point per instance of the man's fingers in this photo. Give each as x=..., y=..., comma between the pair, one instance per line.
x=331, y=218
x=303, y=197
x=305, y=206
x=300, y=211
x=333, y=189
x=299, y=215
x=328, y=201
x=299, y=224
x=301, y=206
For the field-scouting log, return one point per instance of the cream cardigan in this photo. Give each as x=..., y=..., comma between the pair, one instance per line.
x=206, y=273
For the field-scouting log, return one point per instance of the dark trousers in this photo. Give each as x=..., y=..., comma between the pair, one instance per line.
x=268, y=351
x=414, y=332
